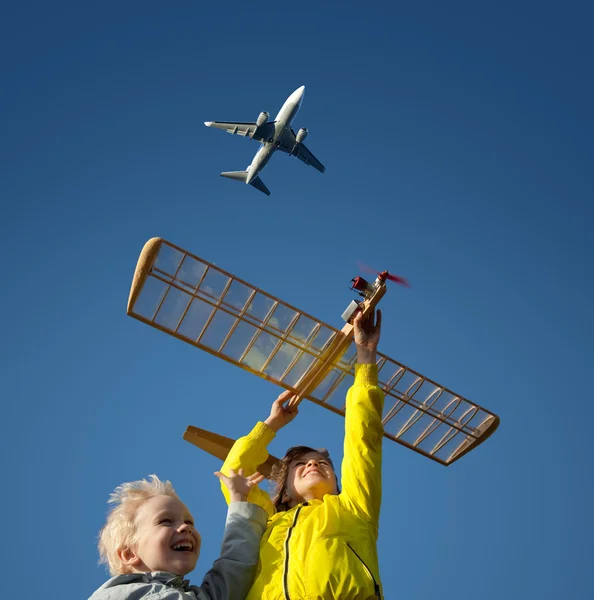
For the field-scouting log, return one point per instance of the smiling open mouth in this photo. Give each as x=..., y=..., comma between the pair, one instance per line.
x=183, y=547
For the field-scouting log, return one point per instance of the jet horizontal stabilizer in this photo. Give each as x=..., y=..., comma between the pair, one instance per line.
x=242, y=176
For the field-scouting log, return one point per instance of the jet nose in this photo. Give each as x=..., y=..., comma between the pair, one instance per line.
x=297, y=95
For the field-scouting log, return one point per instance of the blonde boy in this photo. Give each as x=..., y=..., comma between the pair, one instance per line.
x=150, y=543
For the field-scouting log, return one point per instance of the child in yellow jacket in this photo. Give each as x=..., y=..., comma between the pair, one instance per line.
x=320, y=542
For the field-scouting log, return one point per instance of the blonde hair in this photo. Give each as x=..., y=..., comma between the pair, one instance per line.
x=120, y=527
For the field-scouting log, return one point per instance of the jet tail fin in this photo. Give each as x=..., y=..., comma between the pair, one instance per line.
x=242, y=176
x=259, y=185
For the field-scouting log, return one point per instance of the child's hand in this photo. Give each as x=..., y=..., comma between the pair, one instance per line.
x=239, y=486
x=367, y=336
x=281, y=413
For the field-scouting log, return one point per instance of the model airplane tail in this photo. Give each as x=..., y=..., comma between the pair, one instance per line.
x=219, y=446
x=242, y=176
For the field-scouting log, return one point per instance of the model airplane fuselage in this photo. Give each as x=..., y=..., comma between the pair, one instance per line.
x=273, y=135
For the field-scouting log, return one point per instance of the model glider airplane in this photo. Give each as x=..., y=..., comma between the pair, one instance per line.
x=198, y=303
x=273, y=135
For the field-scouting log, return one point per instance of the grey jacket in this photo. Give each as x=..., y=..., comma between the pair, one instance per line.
x=231, y=575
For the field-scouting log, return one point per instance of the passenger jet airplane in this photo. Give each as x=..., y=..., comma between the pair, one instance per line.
x=273, y=135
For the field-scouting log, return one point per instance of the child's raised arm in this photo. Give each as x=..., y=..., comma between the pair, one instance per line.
x=362, y=463
x=233, y=572
x=250, y=451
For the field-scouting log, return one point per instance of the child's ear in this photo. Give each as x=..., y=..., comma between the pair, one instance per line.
x=129, y=557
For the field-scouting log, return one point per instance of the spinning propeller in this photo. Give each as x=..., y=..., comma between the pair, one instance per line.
x=383, y=275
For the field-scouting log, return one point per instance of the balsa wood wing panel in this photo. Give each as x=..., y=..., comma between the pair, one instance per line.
x=202, y=305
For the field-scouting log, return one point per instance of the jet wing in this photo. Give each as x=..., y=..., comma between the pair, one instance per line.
x=290, y=146
x=251, y=130
x=304, y=155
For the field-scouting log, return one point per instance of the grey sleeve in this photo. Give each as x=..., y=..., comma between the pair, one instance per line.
x=140, y=592
x=233, y=573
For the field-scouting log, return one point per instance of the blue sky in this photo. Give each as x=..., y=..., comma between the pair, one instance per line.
x=458, y=143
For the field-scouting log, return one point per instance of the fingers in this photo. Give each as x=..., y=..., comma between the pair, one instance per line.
x=226, y=479
x=293, y=405
x=362, y=321
x=223, y=478
x=286, y=401
x=284, y=397
x=367, y=322
x=256, y=478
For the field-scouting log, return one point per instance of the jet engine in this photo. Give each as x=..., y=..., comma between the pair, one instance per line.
x=301, y=135
x=262, y=118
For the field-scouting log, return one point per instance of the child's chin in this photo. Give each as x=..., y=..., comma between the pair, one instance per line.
x=181, y=571
x=186, y=568
x=182, y=568
x=319, y=487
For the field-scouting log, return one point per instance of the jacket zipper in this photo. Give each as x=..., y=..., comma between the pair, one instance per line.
x=376, y=587
x=286, y=570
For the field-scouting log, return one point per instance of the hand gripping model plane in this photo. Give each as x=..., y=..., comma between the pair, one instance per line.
x=199, y=303
x=273, y=135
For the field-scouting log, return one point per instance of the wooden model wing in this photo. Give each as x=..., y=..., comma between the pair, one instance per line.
x=199, y=303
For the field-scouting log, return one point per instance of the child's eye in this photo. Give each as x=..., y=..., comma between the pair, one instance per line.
x=190, y=523
x=164, y=521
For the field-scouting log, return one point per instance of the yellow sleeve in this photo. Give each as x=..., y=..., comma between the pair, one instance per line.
x=248, y=453
x=362, y=462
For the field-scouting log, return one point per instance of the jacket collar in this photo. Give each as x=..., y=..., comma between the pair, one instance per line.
x=171, y=579
x=164, y=577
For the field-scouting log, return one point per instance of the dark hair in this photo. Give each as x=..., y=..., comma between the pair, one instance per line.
x=280, y=473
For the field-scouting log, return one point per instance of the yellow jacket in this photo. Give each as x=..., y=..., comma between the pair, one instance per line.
x=324, y=549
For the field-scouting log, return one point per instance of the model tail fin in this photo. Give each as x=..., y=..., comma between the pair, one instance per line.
x=219, y=446
x=242, y=176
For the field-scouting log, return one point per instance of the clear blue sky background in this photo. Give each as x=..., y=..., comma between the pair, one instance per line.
x=458, y=142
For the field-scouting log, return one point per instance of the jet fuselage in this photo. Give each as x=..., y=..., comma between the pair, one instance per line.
x=272, y=135
x=282, y=126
